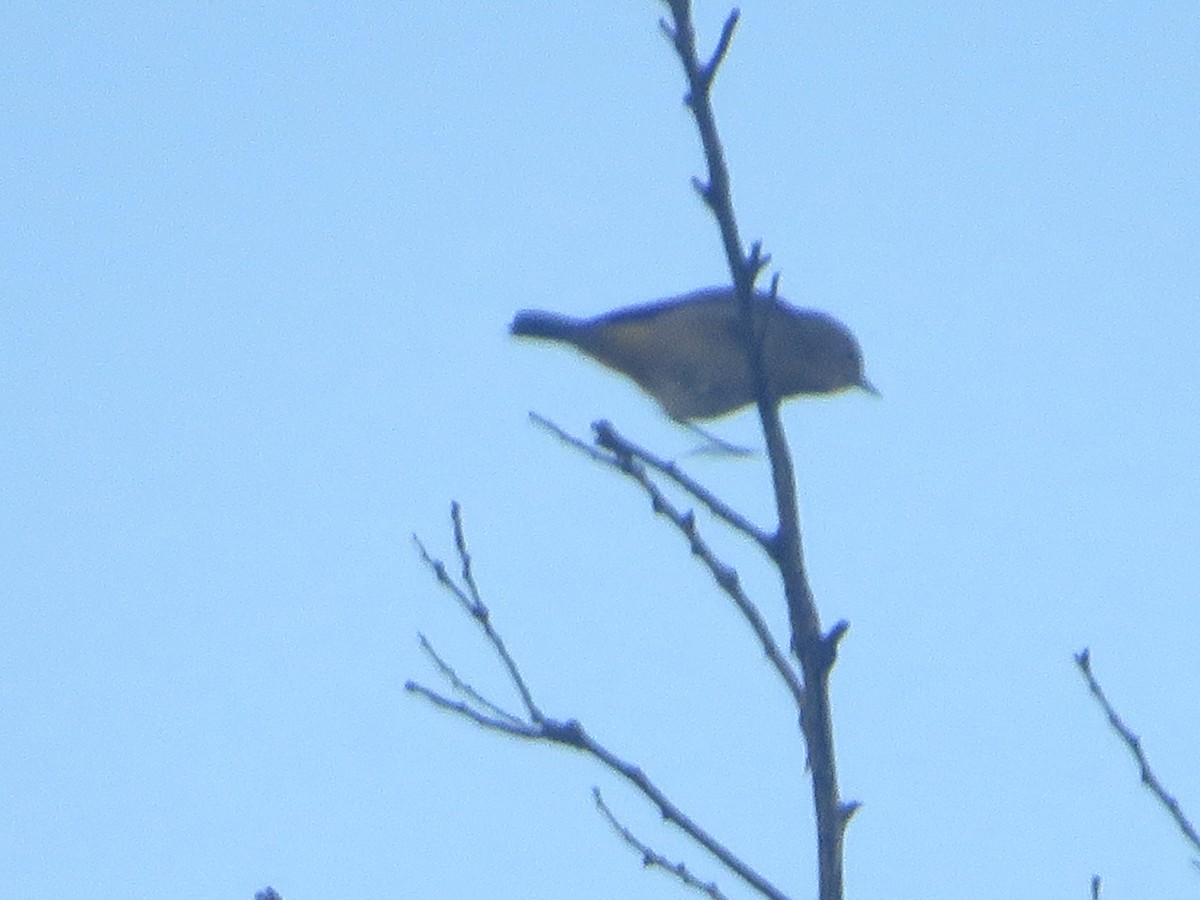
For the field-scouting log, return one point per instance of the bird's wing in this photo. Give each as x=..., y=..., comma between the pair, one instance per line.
x=687, y=355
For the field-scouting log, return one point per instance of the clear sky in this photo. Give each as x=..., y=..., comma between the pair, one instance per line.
x=257, y=263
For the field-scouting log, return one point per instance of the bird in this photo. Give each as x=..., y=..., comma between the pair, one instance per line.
x=689, y=353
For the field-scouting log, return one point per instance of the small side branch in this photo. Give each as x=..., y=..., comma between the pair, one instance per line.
x=651, y=857
x=1083, y=660
x=618, y=445
x=608, y=438
x=726, y=578
x=488, y=708
x=536, y=726
x=715, y=191
x=572, y=734
x=469, y=600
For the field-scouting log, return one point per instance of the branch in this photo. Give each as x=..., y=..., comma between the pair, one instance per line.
x=505, y=725
x=816, y=651
x=475, y=606
x=608, y=438
x=725, y=576
x=618, y=445
x=715, y=191
x=572, y=734
x=489, y=715
x=650, y=857
x=462, y=687
x=1083, y=660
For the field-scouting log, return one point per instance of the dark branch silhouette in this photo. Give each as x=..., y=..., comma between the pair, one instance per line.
x=816, y=650
x=624, y=457
x=536, y=726
x=1083, y=660
x=651, y=857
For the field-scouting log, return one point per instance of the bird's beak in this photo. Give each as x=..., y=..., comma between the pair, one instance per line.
x=868, y=387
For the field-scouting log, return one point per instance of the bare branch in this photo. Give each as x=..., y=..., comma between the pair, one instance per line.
x=725, y=576
x=610, y=439
x=444, y=579
x=569, y=732
x=1083, y=660
x=460, y=545
x=464, y=687
x=710, y=68
x=650, y=857
x=505, y=725
x=567, y=438
x=478, y=611
x=572, y=734
x=715, y=191
x=815, y=650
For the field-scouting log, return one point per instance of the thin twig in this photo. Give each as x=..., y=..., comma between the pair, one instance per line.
x=610, y=439
x=444, y=579
x=463, y=687
x=710, y=68
x=478, y=611
x=618, y=445
x=567, y=438
x=651, y=857
x=460, y=545
x=572, y=734
x=1083, y=660
x=725, y=576
x=568, y=733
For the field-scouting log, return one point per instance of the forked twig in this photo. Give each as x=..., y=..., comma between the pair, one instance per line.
x=539, y=727
x=651, y=857
x=725, y=576
x=610, y=439
x=474, y=606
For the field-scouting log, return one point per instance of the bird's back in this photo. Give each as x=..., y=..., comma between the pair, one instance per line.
x=689, y=352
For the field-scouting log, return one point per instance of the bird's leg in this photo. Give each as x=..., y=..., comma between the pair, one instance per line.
x=715, y=445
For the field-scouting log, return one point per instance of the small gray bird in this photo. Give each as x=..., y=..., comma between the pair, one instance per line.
x=689, y=352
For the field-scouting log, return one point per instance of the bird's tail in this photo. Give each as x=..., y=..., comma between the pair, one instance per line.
x=551, y=326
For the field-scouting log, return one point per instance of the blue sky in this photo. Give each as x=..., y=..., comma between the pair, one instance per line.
x=258, y=263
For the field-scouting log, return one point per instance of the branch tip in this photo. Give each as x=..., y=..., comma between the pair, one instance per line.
x=709, y=71
x=834, y=638
x=848, y=810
